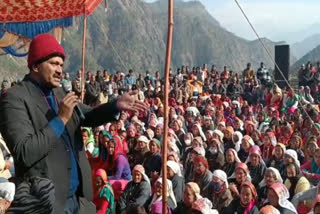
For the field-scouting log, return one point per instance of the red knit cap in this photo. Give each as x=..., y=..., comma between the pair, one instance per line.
x=42, y=46
x=201, y=159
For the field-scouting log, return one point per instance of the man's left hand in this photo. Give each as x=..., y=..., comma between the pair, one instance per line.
x=129, y=102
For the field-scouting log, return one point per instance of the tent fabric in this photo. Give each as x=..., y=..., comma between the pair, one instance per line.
x=44, y=10
x=32, y=29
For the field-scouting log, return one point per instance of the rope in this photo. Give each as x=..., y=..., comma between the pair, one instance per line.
x=270, y=56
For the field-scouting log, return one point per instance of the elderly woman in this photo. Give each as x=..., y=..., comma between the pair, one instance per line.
x=271, y=176
x=139, y=154
x=215, y=155
x=278, y=196
x=277, y=160
x=231, y=161
x=103, y=194
x=152, y=163
x=157, y=195
x=137, y=192
x=311, y=169
x=240, y=175
x=132, y=138
x=191, y=194
x=174, y=174
x=256, y=165
x=218, y=191
x=202, y=174
x=247, y=143
x=246, y=204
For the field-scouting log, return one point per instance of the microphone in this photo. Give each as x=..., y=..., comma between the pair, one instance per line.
x=67, y=87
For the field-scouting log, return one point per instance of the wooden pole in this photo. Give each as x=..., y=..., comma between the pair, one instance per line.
x=166, y=107
x=84, y=33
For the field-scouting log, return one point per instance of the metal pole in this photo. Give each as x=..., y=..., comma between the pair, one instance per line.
x=83, y=81
x=166, y=107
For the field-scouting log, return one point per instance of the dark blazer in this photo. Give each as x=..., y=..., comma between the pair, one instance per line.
x=37, y=151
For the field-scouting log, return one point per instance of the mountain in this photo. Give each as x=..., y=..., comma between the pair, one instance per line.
x=299, y=49
x=313, y=56
x=132, y=34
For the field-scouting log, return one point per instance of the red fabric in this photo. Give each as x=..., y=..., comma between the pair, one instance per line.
x=118, y=187
x=37, y=50
x=101, y=204
x=42, y=10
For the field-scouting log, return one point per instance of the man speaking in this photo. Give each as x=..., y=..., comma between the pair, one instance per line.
x=42, y=131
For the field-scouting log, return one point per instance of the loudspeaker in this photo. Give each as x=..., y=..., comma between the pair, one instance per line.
x=282, y=58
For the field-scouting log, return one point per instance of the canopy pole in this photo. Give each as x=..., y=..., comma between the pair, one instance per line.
x=166, y=107
x=83, y=81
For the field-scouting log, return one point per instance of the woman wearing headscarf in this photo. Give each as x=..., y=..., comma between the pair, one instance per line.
x=214, y=155
x=137, y=192
x=189, y=166
x=231, y=161
x=157, y=195
x=246, y=204
x=103, y=194
x=120, y=146
x=311, y=169
x=117, y=164
x=296, y=144
x=152, y=162
x=203, y=206
x=310, y=148
x=271, y=176
x=191, y=194
x=174, y=174
x=88, y=141
x=290, y=102
x=218, y=191
x=240, y=175
x=250, y=126
x=177, y=126
x=140, y=153
x=227, y=140
x=256, y=165
x=290, y=156
x=296, y=183
x=131, y=138
x=277, y=160
x=202, y=174
x=278, y=196
x=237, y=140
x=256, y=137
x=197, y=131
x=246, y=145
x=285, y=133
x=188, y=138
x=269, y=142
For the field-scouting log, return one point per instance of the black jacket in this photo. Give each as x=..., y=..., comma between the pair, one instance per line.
x=36, y=149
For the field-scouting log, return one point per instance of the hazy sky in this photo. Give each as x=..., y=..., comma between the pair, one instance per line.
x=274, y=19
